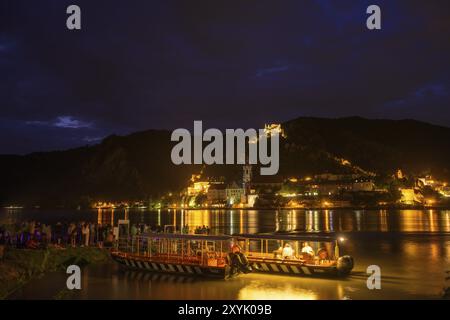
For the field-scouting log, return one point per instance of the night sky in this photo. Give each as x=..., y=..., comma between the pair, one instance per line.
x=139, y=65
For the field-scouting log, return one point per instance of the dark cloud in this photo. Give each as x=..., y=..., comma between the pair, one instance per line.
x=162, y=64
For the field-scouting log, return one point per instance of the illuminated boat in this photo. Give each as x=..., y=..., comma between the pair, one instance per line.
x=296, y=255
x=194, y=255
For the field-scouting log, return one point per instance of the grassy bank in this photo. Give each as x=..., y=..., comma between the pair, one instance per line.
x=18, y=266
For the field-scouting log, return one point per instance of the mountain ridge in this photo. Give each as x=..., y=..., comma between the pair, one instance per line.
x=138, y=165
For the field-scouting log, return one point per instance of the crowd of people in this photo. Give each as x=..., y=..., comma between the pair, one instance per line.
x=33, y=234
x=202, y=230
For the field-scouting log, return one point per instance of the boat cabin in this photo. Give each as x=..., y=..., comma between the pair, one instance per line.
x=294, y=254
x=177, y=253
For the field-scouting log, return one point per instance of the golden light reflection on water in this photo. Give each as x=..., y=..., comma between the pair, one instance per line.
x=105, y=216
x=362, y=220
x=253, y=221
x=327, y=220
x=309, y=220
x=258, y=290
x=410, y=249
x=358, y=220
x=421, y=220
x=433, y=224
x=198, y=218
x=446, y=219
x=383, y=223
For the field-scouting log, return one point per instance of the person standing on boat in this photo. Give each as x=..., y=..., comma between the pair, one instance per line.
x=287, y=252
x=307, y=249
x=238, y=261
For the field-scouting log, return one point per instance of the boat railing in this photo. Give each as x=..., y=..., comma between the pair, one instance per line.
x=151, y=248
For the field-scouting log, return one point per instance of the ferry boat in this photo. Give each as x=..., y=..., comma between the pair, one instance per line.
x=296, y=255
x=184, y=254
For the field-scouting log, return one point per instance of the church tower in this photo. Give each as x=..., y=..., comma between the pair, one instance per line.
x=247, y=178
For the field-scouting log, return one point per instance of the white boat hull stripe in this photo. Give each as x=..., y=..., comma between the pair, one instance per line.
x=295, y=269
x=198, y=270
x=306, y=270
x=180, y=268
x=284, y=268
x=274, y=268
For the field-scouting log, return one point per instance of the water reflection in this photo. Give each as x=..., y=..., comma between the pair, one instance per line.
x=252, y=221
x=107, y=216
x=383, y=222
x=258, y=290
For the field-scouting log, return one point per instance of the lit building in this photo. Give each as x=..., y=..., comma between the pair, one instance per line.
x=445, y=191
x=234, y=194
x=363, y=185
x=251, y=199
x=273, y=128
x=216, y=194
x=198, y=188
x=426, y=181
x=410, y=196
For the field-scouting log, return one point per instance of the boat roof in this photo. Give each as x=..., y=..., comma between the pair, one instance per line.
x=198, y=237
x=288, y=237
x=261, y=236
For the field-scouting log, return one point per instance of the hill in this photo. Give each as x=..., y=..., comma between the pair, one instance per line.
x=138, y=166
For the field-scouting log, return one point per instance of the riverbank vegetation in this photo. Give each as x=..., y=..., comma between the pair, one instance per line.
x=18, y=266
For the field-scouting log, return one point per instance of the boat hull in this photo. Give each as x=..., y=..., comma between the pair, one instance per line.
x=297, y=270
x=148, y=265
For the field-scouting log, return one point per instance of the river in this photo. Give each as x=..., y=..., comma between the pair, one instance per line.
x=412, y=248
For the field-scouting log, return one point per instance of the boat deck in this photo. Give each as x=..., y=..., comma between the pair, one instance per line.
x=174, y=258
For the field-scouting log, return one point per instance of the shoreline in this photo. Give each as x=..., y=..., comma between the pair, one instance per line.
x=393, y=207
x=19, y=266
x=318, y=208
